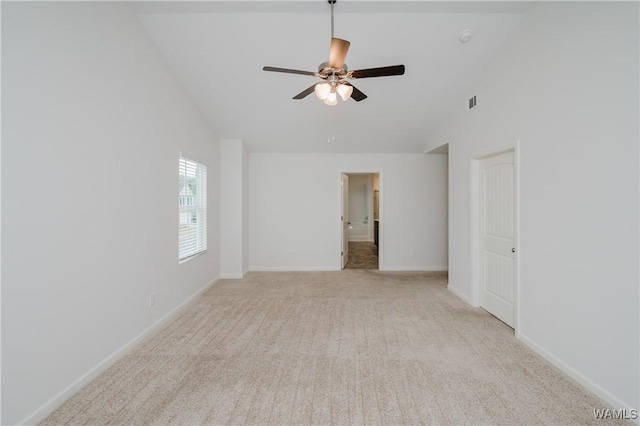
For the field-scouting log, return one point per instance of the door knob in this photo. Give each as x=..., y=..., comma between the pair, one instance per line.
x=513, y=250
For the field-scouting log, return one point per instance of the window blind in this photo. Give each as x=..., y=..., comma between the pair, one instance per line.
x=192, y=208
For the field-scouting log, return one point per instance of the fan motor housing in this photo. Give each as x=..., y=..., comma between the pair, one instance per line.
x=324, y=70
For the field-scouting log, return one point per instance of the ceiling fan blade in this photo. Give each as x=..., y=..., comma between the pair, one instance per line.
x=356, y=95
x=378, y=72
x=305, y=92
x=290, y=71
x=338, y=52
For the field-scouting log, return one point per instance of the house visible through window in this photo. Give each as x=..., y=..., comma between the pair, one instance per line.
x=192, y=208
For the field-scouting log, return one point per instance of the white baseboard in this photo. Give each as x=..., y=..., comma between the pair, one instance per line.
x=459, y=294
x=231, y=276
x=415, y=268
x=234, y=276
x=594, y=388
x=48, y=407
x=292, y=268
x=333, y=268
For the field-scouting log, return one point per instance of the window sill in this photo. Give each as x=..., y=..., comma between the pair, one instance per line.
x=186, y=259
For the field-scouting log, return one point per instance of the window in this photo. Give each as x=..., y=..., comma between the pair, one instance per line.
x=192, y=208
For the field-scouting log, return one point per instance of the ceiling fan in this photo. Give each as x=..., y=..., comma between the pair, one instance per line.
x=335, y=73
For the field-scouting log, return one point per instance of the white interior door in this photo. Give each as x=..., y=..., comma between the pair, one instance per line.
x=497, y=236
x=345, y=219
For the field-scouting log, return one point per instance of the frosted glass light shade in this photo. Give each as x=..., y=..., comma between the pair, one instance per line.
x=322, y=90
x=331, y=99
x=345, y=91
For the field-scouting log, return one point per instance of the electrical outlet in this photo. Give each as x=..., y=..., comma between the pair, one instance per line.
x=152, y=299
x=453, y=270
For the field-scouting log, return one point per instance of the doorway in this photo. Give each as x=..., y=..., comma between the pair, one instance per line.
x=360, y=220
x=494, y=234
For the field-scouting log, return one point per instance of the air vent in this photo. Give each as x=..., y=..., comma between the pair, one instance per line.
x=472, y=102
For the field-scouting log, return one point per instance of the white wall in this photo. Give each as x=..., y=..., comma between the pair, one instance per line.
x=566, y=86
x=93, y=123
x=295, y=209
x=233, y=208
x=245, y=210
x=359, y=198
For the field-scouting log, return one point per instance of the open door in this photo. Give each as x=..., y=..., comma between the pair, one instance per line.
x=345, y=220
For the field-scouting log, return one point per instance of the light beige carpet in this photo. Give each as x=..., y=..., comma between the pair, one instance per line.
x=348, y=347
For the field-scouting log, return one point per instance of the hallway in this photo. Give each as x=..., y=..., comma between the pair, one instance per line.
x=362, y=255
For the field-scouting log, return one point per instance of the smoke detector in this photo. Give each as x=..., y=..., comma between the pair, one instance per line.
x=464, y=36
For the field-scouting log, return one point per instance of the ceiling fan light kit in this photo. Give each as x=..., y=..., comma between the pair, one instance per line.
x=344, y=90
x=322, y=90
x=335, y=73
x=327, y=91
x=331, y=99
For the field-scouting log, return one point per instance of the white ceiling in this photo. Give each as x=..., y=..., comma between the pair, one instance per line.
x=217, y=50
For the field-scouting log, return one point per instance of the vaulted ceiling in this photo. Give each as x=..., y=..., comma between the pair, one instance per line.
x=217, y=50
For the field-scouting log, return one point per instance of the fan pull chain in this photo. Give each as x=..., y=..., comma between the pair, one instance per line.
x=332, y=126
